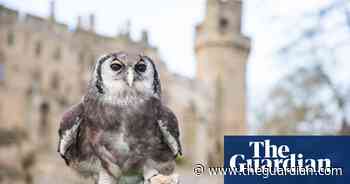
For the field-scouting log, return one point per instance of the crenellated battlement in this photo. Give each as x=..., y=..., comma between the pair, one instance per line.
x=4, y=11
x=45, y=43
x=33, y=23
x=8, y=15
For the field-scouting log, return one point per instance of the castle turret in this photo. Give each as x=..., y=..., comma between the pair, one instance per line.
x=144, y=37
x=222, y=52
x=79, y=22
x=52, y=10
x=92, y=22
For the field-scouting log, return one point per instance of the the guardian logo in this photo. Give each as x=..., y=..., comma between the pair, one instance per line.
x=267, y=155
x=285, y=159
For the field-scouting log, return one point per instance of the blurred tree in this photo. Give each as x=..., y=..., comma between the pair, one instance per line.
x=311, y=98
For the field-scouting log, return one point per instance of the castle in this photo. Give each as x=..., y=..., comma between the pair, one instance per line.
x=45, y=67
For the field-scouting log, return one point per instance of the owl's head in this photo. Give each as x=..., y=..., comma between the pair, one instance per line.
x=125, y=78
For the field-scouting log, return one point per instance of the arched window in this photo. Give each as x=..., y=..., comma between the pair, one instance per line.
x=10, y=38
x=36, y=80
x=1, y=113
x=2, y=68
x=81, y=57
x=63, y=101
x=55, y=82
x=38, y=48
x=44, y=117
x=223, y=23
x=37, y=76
x=57, y=54
x=2, y=72
x=81, y=61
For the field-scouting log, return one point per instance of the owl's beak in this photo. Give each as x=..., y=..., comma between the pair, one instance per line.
x=130, y=76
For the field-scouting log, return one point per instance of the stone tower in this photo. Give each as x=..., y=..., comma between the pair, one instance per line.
x=222, y=52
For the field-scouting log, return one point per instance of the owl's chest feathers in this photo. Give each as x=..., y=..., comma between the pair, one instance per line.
x=112, y=117
x=129, y=130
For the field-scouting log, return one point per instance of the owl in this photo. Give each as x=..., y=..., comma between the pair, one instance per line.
x=121, y=129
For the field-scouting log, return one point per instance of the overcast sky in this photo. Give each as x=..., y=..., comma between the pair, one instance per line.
x=171, y=27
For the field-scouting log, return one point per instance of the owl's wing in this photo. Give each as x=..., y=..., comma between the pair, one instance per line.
x=69, y=131
x=170, y=130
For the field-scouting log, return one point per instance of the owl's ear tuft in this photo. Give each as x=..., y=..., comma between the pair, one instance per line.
x=97, y=72
x=157, y=89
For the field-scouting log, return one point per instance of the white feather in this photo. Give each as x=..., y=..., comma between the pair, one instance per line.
x=68, y=136
x=169, y=138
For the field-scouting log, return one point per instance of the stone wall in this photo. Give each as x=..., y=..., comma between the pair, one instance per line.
x=45, y=67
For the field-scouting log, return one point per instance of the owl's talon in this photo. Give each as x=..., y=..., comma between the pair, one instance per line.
x=149, y=174
x=163, y=179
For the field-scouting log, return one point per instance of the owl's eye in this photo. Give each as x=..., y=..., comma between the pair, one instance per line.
x=116, y=66
x=140, y=67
